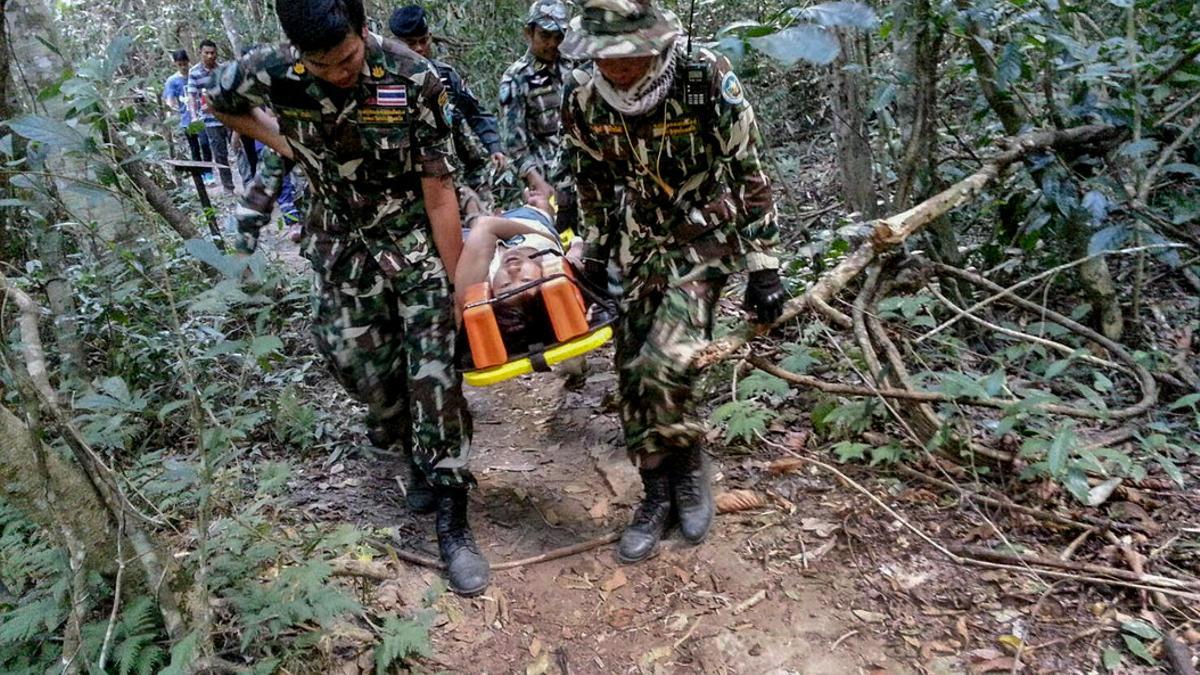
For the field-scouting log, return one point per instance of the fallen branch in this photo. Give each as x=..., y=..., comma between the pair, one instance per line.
x=890, y=232
x=1145, y=378
x=345, y=567
x=1033, y=280
x=1091, y=523
x=916, y=395
x=1149, y=581
x=1143, y=193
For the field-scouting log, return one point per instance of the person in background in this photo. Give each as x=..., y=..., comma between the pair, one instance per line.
x=530, y=98
x=176, y=99
x=200, y=81
x=409, y=23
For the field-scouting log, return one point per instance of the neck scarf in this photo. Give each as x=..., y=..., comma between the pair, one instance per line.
x=647, y=92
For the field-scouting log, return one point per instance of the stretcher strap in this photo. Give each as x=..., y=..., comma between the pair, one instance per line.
x=537, y=359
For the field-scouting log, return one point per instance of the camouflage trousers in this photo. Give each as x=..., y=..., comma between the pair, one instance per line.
x=656, y=339
x=394, y=351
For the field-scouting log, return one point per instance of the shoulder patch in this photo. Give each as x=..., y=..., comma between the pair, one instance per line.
x=377, y=72
x=731, y=89
x=447, y=109
x=505, y=91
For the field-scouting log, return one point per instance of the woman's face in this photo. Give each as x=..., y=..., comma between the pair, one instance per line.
x=623, y=73
x=517, y=268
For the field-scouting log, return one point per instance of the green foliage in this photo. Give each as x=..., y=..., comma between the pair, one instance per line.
x=1133, y=633
x=299, y=595
x=742, y=420
x=401, y=639
x=294, y=422
x=33, y=592
x=762, y=383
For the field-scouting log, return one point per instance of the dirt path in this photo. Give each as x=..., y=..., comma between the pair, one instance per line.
x=552, y=472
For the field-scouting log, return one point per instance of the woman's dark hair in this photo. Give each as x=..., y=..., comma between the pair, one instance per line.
x=524, y=322
x=320, y=25
x=179, y=55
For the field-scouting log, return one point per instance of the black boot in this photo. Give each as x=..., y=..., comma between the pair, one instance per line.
x=651, y=520
x=418, y=493
x=692, y=491
x=466, y=568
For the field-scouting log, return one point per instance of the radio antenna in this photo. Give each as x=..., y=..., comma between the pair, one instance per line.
x=691, y=25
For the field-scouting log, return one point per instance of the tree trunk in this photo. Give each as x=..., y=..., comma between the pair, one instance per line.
x=60, y=297
x=231, y=31
x=74, y=504
x=40, y=68
x=8, y=233
x=919, y=52
x=850, y=129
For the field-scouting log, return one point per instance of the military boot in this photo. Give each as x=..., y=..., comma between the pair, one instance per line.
x=652, y=517
x=418, y=493
x=692, y=491
x=466, y=568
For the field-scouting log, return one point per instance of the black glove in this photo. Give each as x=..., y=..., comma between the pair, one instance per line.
x=764, y=296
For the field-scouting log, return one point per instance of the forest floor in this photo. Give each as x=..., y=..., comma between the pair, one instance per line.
x=818, y=580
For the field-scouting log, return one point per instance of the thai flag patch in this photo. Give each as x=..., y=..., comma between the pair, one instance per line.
x=391, y=95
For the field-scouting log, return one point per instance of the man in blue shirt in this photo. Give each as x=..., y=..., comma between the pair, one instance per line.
x=175, y=97
x=200, y=81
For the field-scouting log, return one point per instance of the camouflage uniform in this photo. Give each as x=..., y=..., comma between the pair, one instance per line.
x=530, y=100
x=679, y=198
x=476, y=137
x=383, y=312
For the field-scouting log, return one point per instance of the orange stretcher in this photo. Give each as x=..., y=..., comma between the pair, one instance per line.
x=564, y=298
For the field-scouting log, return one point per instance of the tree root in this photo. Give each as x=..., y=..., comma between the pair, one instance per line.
x=1082, y=523
x=345, y=567
x=1146, y=381
x=1151, y=582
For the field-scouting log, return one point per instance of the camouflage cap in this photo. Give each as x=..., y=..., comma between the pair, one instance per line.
x=549, y=14
x=610, y=29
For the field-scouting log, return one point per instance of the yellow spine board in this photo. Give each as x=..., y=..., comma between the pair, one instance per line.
x=554, y=356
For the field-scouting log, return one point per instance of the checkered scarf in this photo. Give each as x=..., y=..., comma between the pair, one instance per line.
x=646, y=93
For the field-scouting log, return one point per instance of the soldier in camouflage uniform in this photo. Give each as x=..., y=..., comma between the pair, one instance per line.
x=369, y=122
x=664, y=149
x=476, y=138
x=530, y=100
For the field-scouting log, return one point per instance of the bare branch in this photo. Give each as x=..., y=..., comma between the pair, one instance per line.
x=890, y=232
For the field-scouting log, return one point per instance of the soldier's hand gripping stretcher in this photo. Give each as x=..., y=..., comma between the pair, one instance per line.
x=522, y=304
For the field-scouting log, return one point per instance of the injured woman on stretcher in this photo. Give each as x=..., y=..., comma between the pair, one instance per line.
x=515, y=289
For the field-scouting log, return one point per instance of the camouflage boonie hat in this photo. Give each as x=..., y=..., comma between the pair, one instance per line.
x=613, y=29
x=549, y=14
